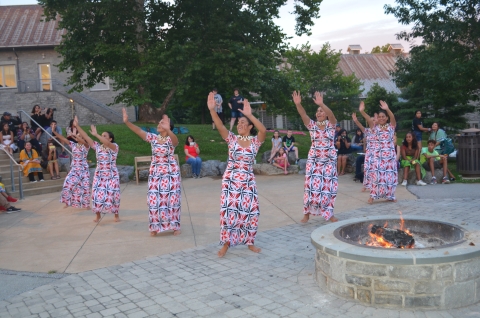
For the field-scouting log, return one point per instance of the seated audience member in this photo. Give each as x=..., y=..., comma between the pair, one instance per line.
x=276, y=145
x=5, y=198
x=192, y=151
x=13, y=122
x=289, y=144
x=410, y=159
x=337, y=130
x=50, y=135
x=6, y=138
x=30, y=162
x=343, y=145
x=71, y=131
x=432, y=160
x=281, y=160
x=27, y=134
x=357, y=143
x=50, y=154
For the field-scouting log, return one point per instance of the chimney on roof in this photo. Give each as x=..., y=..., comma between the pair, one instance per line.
x=395, y=49
x=354, y=49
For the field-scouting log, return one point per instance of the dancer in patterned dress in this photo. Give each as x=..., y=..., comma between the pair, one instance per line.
x=76, y=188
x=371, y=148
x=164, y=191
x=239, y=208
x=321, y=179
x=383, y=165
x=106, y=182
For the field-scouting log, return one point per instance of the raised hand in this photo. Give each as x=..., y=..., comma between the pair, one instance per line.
x=297, y=99
x=362, y=106
x=383, y=105
x=354, y=117
x=318, y=98
x=93, y=130
x=125, y=115
x=75, y=121
x=211, y=101
x=247, y=109
x=165, y=122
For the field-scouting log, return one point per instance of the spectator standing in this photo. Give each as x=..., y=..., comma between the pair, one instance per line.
x=276, y=145
x=192, y=151
x=411, y=159
x=343, y=144
x=236, y=104
x=26, y=134
x=218, y=107
x=321, y=179
x=38, y=119
x=359, y=175
x=289, y=144
x=53, y=127
x=417, y=127
x=6, y=139
x=14, y=123
x=31, y=163
x=72, y=132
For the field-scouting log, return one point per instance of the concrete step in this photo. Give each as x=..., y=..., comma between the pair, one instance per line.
x=37, y=191
x=3, y=155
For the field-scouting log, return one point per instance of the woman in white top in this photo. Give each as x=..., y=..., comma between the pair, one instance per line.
x=276, y=145
x=6, y=138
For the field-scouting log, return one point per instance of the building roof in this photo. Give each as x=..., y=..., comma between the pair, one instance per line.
x=370, y=69
x=24, y=26
x=354, y=47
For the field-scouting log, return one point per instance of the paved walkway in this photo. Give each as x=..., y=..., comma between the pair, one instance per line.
x=122, y=272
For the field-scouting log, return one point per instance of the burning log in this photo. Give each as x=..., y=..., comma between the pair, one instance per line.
x=397, y=238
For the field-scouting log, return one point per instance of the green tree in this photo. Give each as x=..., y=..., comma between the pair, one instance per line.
x=159, y=51
x=442, y=75
x=375, y=95
x=382, y=49
x=309, y=71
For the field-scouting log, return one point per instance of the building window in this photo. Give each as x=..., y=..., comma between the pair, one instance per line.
x=101, y=86
x=7, y=76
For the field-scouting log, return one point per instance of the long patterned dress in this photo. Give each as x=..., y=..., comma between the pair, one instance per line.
x=371, y=149
x=384, y=165
x=76, y=188
x=106, y=181
x=164, y=191
x=239, y=209
x=321, y=180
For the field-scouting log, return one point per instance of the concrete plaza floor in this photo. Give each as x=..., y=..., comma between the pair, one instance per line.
x=117, y=270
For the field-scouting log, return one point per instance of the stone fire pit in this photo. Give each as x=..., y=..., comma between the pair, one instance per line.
x=442, y=272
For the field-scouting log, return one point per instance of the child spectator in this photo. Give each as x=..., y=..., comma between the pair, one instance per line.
x=410, y=159
x=432, y=160
x=281, y=160
x=289, y=144
x=50, y=154
x=276, y=145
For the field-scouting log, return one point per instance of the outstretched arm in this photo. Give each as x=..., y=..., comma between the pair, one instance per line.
x=369, y=120
x=62, y=139
x=83, y=133
x=359, y=125
x=318, y=99
x=218, y=122
x=247, y=112
x=133, y=127
x=165, y=124
x=297, y=99
x=103, y=140
x=384, y=106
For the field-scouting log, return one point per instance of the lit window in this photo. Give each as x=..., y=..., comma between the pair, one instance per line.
x=7, y=76
x=101, y=86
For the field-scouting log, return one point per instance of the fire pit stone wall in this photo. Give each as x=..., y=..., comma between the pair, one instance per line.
x=433, y=278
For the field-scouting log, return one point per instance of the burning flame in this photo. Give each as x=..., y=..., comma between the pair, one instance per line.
x=377, y=240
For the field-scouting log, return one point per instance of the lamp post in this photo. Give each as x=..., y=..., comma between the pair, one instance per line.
x=72, y=104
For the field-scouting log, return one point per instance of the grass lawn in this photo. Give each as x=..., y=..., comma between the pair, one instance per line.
x=212, y=146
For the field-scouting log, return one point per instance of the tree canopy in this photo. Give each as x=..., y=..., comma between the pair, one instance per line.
x=380, y=49
x=442, y=75
x=157, y=51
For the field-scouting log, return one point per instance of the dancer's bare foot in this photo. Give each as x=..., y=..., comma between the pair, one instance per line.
x=153, y=233
x=305, y=219
x=254, y=249
x=333, y=219
x=66, y=206
x=177, y=232
x=97, y=219
x=223, y=250
x=117, y=218
x=364, y=189
x=393, y=201
x=370, y=201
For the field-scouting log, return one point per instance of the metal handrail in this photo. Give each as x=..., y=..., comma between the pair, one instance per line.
x=40, y=126
x=12, y=176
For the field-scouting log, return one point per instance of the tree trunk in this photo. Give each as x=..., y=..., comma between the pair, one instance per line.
x=149, y=114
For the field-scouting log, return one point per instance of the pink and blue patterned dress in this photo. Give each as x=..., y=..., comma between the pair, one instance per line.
x=76, y=188
x=106, y=181
x=384, y=165
x=239, y=209
x=321, y=180
x=371, y=149
x=164, y=188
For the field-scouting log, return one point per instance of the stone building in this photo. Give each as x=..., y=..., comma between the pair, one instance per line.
x=29, y=76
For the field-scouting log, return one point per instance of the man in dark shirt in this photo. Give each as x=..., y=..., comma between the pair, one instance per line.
x=417, y=127
x=235, y=103
x=13, y=122
x=289, y=144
